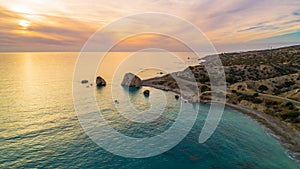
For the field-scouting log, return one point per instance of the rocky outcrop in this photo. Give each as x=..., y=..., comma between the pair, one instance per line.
x=100, y=82
x=131, y=80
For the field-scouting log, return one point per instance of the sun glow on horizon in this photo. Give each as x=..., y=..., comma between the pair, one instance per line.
x=24, y=24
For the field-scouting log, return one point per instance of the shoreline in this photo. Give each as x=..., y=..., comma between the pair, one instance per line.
x=288, y=137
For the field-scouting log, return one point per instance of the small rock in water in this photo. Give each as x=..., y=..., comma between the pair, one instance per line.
x=100, y=81
x=84, y=81
x=116, y=102
x=176, y=97
x=146, y=93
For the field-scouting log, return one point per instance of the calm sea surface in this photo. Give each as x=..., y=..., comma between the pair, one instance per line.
x=39, y=127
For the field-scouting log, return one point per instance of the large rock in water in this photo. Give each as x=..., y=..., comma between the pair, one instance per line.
x=100, y=81
x=131, y=80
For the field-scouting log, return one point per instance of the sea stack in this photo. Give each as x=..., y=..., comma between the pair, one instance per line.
x=100, y=82
x=131, y=80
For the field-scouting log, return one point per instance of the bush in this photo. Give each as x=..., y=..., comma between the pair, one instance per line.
x=250, y=98
x=270, y=103
x=204, y=88
x=257, y=101
x=255, y=94
x=289, y=84
x=231, y=79
x=276, y=91
x=263, y=88
x=290, y=115
x=288, y=104
x=203, y=78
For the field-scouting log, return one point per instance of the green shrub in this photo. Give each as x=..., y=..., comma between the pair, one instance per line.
x=288, y=104
x=276, y=91
x=263, y=88
x=270, y=103
x=250, y=98
x=290, y=115
x=289, y=84
x=204, y=88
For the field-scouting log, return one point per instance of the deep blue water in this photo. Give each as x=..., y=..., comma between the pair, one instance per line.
x=39, y=127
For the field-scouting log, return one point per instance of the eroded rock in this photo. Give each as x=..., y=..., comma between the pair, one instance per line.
x=131, y=80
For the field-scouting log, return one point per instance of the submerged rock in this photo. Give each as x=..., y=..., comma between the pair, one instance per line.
x=131, y=80
x=100, y=82
x=84, y=81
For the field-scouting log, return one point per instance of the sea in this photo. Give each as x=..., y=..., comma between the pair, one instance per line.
x=40, y=128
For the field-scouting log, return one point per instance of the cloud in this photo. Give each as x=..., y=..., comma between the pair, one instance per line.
x=148, y=41
x=69, y=24
x=260, y=27
x=244, y=20
x=44, y=30
x=296, y=13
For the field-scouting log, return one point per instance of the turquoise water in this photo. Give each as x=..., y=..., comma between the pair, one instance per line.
x=39, y=127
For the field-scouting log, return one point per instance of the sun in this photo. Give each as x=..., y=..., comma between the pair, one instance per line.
x=24, y=24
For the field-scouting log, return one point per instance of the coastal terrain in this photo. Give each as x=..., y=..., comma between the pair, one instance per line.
x=264, y=85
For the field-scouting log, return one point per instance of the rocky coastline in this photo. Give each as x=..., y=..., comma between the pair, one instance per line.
x=251, y=90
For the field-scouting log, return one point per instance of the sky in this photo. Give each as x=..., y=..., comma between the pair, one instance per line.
x=66, y=25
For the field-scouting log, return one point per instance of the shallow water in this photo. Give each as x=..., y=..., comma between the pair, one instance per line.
x=39, y=127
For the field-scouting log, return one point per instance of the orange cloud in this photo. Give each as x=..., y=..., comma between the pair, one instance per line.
x=147, y=41
x=29, y=30
x=65, y=24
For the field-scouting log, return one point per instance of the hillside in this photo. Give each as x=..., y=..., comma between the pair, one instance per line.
x=263, y=80
x=264, y=84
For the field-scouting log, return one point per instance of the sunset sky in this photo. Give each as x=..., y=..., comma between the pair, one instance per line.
x=65, y=25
